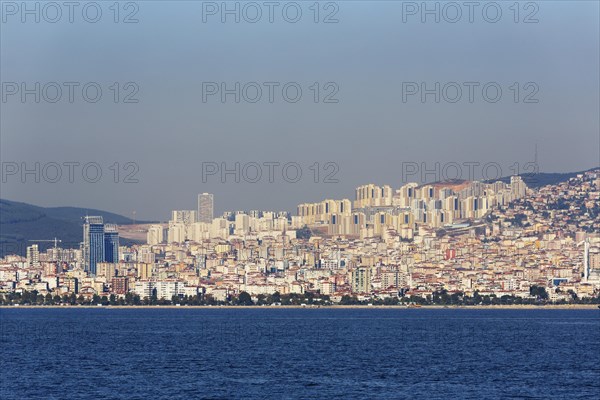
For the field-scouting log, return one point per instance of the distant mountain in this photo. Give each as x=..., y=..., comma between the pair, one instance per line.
x=537, y=180
x=22, y=222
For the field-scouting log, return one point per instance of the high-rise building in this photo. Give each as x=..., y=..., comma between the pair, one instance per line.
x=361, y=280
x=72, y=284
x=186, y=217
x=100, y=243
x=156, y=234
x=120, y=284
x=93, y=243
x=111, y=243
x=517, y=187
x=33, y=255
x=586, y=259
x=176, y=232
x=106, y=269
x=205, y=207
x=144, y=270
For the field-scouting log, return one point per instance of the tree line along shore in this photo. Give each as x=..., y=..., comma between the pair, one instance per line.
x=538, y=297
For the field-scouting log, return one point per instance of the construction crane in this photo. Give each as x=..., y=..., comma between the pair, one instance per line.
x=55, y=240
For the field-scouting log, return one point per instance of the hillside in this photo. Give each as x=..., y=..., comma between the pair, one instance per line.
x=21, y=222
x=540, y=179
x=534, y=181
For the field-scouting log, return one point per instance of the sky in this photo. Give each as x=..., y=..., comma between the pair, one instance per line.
x=360, y=92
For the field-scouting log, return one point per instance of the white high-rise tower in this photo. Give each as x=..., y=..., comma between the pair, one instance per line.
x=586, y=259
x=205, y=208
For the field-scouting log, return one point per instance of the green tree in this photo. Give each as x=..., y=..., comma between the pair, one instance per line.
x=349, y=300
x=244, y=299
x=206, y=299
x=261, y=299
x=539, y=292
x=275, y=298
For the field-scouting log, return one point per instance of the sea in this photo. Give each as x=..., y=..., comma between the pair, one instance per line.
x=284, y=353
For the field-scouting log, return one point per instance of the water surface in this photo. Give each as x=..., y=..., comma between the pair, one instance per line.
x=299, y=353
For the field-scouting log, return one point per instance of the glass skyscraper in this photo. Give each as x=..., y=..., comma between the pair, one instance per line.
x=93, y=243
x=100, y=243
x=111, y=243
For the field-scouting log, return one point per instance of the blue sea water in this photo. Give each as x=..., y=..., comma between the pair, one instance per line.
x=277, y=353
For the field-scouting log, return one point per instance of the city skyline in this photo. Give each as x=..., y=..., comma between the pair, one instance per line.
x=319, y=199
x=468, y=172
x=414, y=245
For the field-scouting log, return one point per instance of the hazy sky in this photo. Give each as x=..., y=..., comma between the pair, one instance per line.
x=374, y=51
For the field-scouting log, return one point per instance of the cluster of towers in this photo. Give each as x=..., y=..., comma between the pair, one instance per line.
x=377, y=208
x=100, y=243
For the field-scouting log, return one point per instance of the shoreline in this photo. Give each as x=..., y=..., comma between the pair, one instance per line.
x=308, y=307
